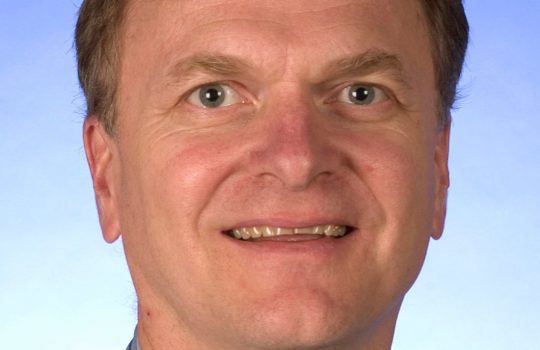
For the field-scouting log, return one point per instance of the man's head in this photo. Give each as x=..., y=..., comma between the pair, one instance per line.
x=276, y=168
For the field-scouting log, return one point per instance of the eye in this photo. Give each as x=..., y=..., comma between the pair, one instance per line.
x=362, y=94
x=214, y=95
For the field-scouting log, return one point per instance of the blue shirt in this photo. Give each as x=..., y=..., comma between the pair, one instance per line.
x=134, y=343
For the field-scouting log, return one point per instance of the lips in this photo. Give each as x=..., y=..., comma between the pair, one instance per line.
x=259, y=233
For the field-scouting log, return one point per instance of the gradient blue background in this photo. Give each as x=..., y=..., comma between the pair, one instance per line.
x=62, y=287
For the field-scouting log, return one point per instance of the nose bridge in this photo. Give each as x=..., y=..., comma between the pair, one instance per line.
x=292, y=118
x=293, y=148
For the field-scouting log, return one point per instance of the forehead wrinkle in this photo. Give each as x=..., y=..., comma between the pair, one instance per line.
x=371, y=61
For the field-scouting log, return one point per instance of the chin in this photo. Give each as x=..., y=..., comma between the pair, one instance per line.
x=306, y=321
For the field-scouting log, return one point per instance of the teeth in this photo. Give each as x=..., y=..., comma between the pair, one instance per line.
x=256, y=233
x=246, y=233
x=333, y=230
x=267, y=232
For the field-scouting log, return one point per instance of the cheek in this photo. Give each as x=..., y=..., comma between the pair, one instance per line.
x=401, y=178
x=190, y=171
x=399, y=175
x=167, y=186
x=398, y=171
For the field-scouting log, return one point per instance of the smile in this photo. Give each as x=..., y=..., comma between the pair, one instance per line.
x=288, y=233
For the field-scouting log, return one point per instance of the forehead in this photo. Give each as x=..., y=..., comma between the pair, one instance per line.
x=278, y=35
x=189, y=20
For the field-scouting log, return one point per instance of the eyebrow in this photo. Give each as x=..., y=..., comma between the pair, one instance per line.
x=366, y=63
x=207, y=63
x=224, y=65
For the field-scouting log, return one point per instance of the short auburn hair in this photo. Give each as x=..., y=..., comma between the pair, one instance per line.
x=97, y=40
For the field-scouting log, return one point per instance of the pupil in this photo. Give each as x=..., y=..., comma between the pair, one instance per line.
x=361, y=94
x=212, y=96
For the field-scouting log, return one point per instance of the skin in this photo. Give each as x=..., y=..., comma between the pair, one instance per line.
x=287, y=150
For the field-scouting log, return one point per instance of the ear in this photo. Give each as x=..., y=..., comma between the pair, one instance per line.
x=442, y=180
x=99, y=147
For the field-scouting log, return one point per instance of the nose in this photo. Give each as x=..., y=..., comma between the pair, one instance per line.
x=294, y=146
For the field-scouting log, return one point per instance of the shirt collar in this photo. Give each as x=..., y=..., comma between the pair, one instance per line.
x=134, y=344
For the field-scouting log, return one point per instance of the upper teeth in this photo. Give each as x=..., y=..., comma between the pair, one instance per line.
x=268, y=231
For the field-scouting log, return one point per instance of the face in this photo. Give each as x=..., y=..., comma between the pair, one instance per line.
x=309, y=131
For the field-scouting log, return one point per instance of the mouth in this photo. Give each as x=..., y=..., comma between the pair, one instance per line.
x=288, y=234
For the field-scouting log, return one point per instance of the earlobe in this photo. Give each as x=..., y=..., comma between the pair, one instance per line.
x=442, y=180
x=98, y=146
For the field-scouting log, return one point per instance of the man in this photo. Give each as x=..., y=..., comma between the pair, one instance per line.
x=275, y=168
